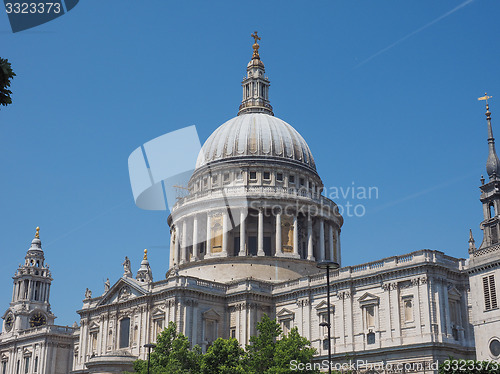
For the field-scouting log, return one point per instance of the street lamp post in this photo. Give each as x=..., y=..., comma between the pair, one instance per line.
x=149, y=346
x=328, y=265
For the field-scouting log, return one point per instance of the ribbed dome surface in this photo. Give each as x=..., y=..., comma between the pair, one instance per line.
x=255, y=134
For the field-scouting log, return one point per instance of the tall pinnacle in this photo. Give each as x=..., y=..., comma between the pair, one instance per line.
x=493, y=163
x=255, y=85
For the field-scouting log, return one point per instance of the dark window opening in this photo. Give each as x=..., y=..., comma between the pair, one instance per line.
x=252, y=246
x=291, y=179
x=279, y=177
x=124, y=332
x=370, y=338
x=253, y=175
x=267, y=175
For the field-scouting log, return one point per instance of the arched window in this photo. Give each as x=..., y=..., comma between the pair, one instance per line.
x=491, y=210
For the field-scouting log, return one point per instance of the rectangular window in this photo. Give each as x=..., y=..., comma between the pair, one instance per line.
x=226, y=177
x=370, y=316
x=267, y=175
x=205, y=182
x=302, y=181
x=494, y=234
x=26, y=365
x=291, y=179
x=211, y=330
x=93, y=342
x=285, y=326
x=323, y=317
x=253, y=175
x=158, y=327
x=279, y=177
x=233, y=332
x=239, y=175
x=408, y=309
x=124, y=332
x=490, y=293
x=215, y=179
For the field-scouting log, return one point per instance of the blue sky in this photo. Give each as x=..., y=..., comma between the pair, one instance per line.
x=108, y=76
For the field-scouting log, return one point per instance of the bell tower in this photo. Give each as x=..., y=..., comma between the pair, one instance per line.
x=490, y=191
x=30, y=305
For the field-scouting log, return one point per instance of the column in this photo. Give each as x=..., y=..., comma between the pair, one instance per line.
x=225, y=234
x=195, y=239
x=330, y=242
x=321, y=254
x=243, y=321
x=172, y=248
x=295, y=236
x=279, y=248
x=310, y=255
x=209, y=236
x=183, y=242
x=447, y=330
x=242, y=233
x=260, y=234
x=194, y=335
x=337, y=242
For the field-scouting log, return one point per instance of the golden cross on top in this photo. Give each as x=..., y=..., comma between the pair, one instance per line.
x=485, y=97
x=255, y=36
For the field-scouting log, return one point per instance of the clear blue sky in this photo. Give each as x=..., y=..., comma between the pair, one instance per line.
x=108, y=76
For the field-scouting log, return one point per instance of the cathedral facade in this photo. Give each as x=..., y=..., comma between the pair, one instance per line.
x=245, y=241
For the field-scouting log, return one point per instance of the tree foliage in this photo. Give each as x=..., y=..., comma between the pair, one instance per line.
x=6, y=74
x=269, y=352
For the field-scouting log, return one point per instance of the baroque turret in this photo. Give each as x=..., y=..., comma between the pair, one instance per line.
x=30, y=305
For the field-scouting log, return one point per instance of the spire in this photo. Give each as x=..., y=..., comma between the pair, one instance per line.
x=472, y=243
x=144, y=274
x=493, y=163
x=255, y=85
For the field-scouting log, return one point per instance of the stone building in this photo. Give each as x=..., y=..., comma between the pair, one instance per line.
x=30, y=342
x=245, y=241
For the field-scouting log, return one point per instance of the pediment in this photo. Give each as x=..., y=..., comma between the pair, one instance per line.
x=93, y=326
x=123, y=290
x=323, y=307
x=369, y=299
x=285, y=314
x=454, y=294
x=211, y=314
x=157, y=312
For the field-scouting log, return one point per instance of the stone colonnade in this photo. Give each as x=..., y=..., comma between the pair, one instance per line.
x=254, y=232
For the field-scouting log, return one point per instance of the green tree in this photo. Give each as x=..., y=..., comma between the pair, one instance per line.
x=6, y=74
x=260, y=351
x=225, y=356
x=266, y=354
x=292, y=347
x=171, y=355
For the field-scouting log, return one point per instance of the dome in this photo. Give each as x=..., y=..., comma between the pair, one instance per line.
x=256, y=135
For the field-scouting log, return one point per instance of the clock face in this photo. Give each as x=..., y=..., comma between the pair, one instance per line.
x=9, y=322
x=37, y=319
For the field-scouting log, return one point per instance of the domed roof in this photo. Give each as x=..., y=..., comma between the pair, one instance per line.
x=256, y=135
